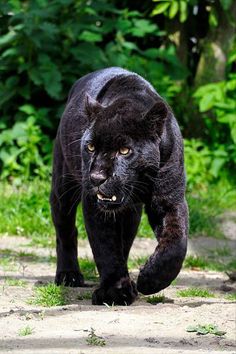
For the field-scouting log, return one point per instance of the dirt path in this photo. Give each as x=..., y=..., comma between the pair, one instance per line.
x=140, y=328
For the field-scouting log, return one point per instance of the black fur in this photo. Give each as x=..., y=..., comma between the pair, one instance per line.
x=111, y=109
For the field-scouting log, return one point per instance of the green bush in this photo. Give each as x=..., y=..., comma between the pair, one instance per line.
x=46, y=46
x=24, y=150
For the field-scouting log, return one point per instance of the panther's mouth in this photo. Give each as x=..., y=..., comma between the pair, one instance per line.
x=106, y=199
x=109, y=201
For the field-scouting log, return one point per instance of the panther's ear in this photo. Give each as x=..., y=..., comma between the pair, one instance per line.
x=155, y=118
x=92, y=107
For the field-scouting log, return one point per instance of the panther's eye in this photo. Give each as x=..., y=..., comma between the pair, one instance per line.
x=124, y=150
x=91, y=147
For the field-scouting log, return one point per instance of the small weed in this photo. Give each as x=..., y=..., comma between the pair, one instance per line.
x=95, y=340
x=15, y=282
x=155, y=299
x=85, y=296
x=231, y=297
x=194, y=292
x=205, y=329
x=49, y=295
x=26, y=331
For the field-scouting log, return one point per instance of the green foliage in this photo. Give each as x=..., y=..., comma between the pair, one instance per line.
x=205, y=329
x=218, y=103
x=46, y=46
x=172, y=8
x=183, y=8
x=24, y=150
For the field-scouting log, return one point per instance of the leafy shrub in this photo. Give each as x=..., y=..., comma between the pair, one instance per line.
x=24, y=150
x=46, y=46
x=203, y=165
x=217, y=102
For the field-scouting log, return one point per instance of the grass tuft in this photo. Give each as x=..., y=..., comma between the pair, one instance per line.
x=156, y=299
x=49, y=295
x=194, y=292
x=15, y=282
x=231, y=297
x=198, y=262
x=26, y=331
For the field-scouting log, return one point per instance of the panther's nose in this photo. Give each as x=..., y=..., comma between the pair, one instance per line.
x=98, y=178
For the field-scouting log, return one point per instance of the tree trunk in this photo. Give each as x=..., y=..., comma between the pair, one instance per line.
x=216, y=47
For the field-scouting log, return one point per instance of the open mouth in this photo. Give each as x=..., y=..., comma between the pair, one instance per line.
x=112, y=201
x=105, y=198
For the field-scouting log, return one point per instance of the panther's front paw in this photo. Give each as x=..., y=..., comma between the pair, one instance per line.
x=124, y=292
x=72, y=278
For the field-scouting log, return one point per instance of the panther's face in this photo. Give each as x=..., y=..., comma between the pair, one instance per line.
x=117, y=151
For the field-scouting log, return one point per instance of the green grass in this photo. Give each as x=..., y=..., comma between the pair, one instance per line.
x=15, y=282
x=25, y=211
x=155, y=299
x=49, y=295
x=26, y=331
x=194, y=292
x=204, y=263
x=22, y=256
x=231, y=297
x=205, y=207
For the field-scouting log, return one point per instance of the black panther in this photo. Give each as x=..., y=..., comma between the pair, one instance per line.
x=119, y=149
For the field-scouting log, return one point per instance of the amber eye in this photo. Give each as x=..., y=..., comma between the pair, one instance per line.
x=124, y=151
x=91, y=147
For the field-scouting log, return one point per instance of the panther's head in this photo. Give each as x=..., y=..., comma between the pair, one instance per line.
x=120, y=144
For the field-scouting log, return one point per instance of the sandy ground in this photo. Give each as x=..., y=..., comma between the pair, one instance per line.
x=140, y=328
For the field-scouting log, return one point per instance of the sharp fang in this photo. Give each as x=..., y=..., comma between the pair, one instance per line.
x=100, y=196
x=113, y=198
